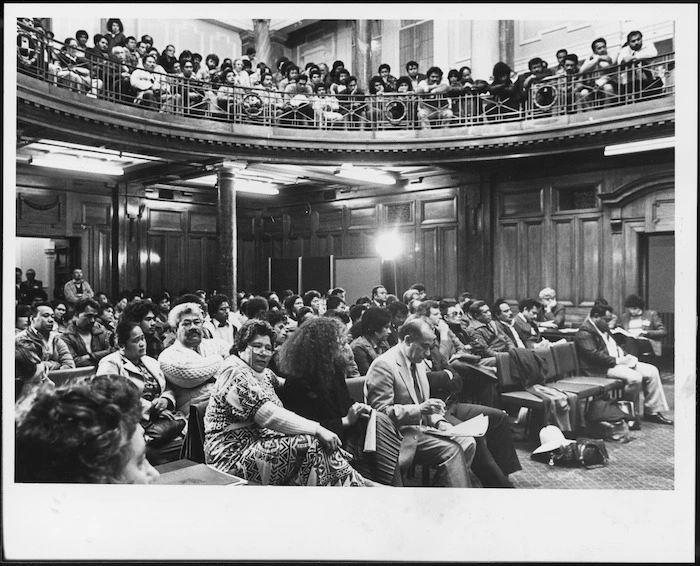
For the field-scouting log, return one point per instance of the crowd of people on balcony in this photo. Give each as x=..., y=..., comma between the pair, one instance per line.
x=272, y=374
x=123, y=68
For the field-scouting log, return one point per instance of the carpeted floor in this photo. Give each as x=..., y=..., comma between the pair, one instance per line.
x=647, y=462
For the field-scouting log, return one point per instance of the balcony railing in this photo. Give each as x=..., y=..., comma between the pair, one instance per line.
x=110, y=80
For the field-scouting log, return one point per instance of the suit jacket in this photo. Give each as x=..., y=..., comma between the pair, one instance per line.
x=508, y=332
x=490, y=337
x=592, y=352
x=528, y=331
x=390, y=390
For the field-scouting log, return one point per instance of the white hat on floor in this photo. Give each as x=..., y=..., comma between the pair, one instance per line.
x=551, y=438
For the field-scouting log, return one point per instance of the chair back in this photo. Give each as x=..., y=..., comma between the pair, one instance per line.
x=566, y=359
x=193, y=445
x=547, y=355
x=356, y=388
x=61, y=376
x=505, y=377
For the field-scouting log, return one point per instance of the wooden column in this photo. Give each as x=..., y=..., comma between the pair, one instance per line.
x=362, y=55
x=228, y=238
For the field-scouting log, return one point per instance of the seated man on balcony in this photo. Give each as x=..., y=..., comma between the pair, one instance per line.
x=151, y=88
x=297, y=98
x=352, y=103
x=634, y=56
x=120, y=75
x=326, y=107
x=414, y=75
x=537, y=72
x=270, y=97
x=598, y=85
x=503, y=93
x=388, y=79
x=191, y=90
x=433, y=106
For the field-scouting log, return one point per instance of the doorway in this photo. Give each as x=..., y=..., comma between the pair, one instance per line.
x=658, y=278
x=51, y=258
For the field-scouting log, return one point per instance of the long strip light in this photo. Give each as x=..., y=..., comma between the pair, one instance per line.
x=349, y=171
x=242, y=185
x=76, y=164
x=635, y=147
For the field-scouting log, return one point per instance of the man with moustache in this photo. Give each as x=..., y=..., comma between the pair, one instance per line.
x=87, y=342
x=192, y=363
x=54, y=352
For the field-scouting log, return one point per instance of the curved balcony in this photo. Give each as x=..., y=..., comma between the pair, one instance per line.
x=184, y=118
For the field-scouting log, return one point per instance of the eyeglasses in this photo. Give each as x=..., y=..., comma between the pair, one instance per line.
x=258, y=349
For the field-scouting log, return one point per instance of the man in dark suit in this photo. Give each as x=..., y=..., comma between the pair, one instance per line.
x=31, y=284
x=504, y=320
x=525, y=323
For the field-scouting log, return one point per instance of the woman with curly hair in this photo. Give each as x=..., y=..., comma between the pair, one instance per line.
x=250, y=434
x=84, y=432
x=314, y=360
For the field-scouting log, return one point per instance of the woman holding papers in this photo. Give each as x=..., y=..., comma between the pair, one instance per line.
x=249, y=434
x=314, y=362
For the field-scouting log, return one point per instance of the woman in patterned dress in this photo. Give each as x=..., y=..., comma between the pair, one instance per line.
x=250, y=434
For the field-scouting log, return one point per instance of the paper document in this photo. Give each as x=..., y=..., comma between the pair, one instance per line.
x=619, y=330
x=371, y=434
x=476, y=426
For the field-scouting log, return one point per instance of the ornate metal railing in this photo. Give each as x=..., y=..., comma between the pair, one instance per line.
x=106, y=79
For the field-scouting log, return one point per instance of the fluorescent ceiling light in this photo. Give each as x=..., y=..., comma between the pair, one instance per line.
x=242, y=185
x=348, y=171
x=634, y=147
x=75, y=164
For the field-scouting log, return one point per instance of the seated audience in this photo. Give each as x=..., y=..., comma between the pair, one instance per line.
x=31, y=374
x=388, y=79
x=599, y=86
x=305, y=313
x=157, y=399
x=144, y=313
x=222, y=324
x=87, y=341
x=22, y=315
x=398, y=312
x=152, y=90
x=84, y=432
x=61, y=317
x=526, y=327
x=54, y=352
x=486, y=332
x=645, y=326
x=632, y=56
x=313, y=299
x=106, y=317
x=503, y=92
x=292, y=304
x=376, y=326
x=314, y=363
x=192, y=363
x=250, y=434
x=553, y=314
x=414, y=75
x=505, y=321
x=433, y=110
x=599, y=354
x=115, y=33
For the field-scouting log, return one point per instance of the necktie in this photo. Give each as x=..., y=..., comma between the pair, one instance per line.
x=416, y=385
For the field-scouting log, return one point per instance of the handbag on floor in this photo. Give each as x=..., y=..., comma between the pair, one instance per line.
x=585, y=452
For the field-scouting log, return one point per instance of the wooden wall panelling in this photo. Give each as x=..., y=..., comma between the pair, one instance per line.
x=449, y=261
x=562, y=257
x=533, y=254
x=429, y=261
x=246, y=265
x=406, y=262
x=508, y=260
x=591, y=248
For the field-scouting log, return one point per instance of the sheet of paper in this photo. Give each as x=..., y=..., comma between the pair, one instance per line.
x=476, y=426
x=371, y=435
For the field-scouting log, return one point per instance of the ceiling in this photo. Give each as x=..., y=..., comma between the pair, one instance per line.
x=163, y=173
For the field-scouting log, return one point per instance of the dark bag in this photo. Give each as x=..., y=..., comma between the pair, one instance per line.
x=165, y=428
x=585, y=452
x=605, y=410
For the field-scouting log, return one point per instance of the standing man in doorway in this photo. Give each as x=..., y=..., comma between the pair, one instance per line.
x=77, y=288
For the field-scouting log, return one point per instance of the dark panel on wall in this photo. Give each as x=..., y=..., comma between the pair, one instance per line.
x=365, y=217
x=330, y=220
x=590, y=268
x=429, y=255
x=202, y=222
x=104, y=261
x=165, y=220
x=523, y=202
x=315, y=274
x=285, y=274
x=565, y=254
x=44, y=210
x=246, y=265
x=96, y=213
x=438, y=211
x=533, y=253
x=448, y=245
x=399, y=214
x=507, y=258
x=405, y=262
